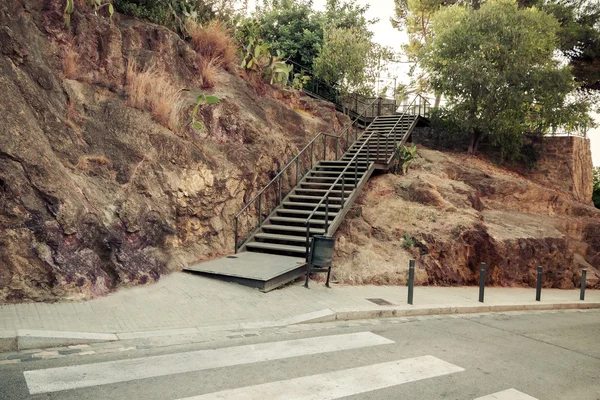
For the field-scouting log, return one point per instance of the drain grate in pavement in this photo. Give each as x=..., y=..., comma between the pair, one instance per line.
x=380, y=302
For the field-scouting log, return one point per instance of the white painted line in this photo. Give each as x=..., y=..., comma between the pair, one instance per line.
x=510, y=394
x=80, y=376
x=348, y=382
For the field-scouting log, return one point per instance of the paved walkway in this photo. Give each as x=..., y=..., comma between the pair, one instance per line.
x=183, y=300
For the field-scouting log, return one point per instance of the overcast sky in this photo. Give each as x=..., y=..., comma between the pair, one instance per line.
x=386, y=35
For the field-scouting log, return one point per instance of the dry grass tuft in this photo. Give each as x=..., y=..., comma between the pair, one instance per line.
x=70, y=60
x=208, y=70
x=152, y=90
x=213, y=42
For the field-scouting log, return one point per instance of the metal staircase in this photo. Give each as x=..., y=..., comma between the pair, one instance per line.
x=320, y=193
x=310, y=196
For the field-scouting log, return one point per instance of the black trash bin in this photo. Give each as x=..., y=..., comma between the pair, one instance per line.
x=321, y=256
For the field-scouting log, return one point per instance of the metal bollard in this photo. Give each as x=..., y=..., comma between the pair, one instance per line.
x=583, y=278
x=411, y=280
x=481, y=282
x=538, y=289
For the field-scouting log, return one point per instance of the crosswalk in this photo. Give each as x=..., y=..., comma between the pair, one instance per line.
x=332, y=384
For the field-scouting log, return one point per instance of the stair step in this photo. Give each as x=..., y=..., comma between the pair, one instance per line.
x=306, y=212
x=282, y=238
x=347, y=191
x=297, y=220
x=348, y=180
x=338, y=169
x=293, y=229
x=361, y=170
x=313, y=198
x=277, y=247
x=310, y=206
x=326, y=186
x=338, y=162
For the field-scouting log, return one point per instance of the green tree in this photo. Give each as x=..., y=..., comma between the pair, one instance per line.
x=348, y=14
x=579, y=37
x=496, y=67
x=415, y=16
x=292, y=27
x=596, y=195
x=342, y=60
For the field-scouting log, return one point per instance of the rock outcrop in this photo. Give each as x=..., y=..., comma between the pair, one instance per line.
x=565, y=163
x=95, y=194
x=453, y=211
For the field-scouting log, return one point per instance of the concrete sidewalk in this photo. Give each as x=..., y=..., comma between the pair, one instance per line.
x=182, y=301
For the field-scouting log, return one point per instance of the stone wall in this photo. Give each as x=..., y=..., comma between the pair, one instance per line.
x=565, y=163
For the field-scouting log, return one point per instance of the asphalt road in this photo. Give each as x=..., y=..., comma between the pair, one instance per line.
x=541, y=355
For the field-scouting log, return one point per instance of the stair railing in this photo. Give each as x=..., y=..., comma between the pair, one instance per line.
x=341, y=177
x=309, y=150
x=420, y=107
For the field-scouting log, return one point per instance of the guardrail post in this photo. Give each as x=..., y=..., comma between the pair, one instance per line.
x=307, y=238
x=279, y=190
x=337, y=142
x=583, y=279
x=538, y=288
x=311, y=153
x=259, y=210
x=324, y=147
x=297, y=171
x=378, y=137
x=343, y=189
x=355, y=132
x=236, y=234
x=481, y=282
x=326, y=213
x=411, y=280
x=355, y=171
x=379, y=106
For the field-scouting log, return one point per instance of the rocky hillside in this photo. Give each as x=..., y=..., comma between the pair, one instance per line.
x=95, y=193
x=453, y=211
x=104, y=185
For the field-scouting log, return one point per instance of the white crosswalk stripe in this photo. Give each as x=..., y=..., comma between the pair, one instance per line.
x=510, y=394
x=333, y=385
x=81, y=376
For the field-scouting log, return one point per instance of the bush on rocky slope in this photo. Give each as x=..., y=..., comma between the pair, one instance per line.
x=95, y=193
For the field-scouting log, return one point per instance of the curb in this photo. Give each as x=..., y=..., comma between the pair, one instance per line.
x=25, y=339
x=393, y=312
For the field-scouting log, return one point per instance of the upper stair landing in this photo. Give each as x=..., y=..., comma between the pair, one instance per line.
x=312, y=194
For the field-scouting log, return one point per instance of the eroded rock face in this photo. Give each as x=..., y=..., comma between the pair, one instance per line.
x=565, y=163
x=451, y=212
x=95, y=194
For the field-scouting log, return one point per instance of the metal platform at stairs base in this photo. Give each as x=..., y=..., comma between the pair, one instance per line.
x=262, y=271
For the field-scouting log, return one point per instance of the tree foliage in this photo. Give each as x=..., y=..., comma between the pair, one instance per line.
x=292, y=27
x=596, y=195
x=173, y=13
x=337, y=43
x=579, y=37
x=496, y=67
x=342, y=59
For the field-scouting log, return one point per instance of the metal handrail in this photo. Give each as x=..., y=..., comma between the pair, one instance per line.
x=296, y=160
x=342, y=177
x=392, y=130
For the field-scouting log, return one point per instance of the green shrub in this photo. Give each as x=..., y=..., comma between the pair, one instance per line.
x=403, y=157
x=174, y=13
